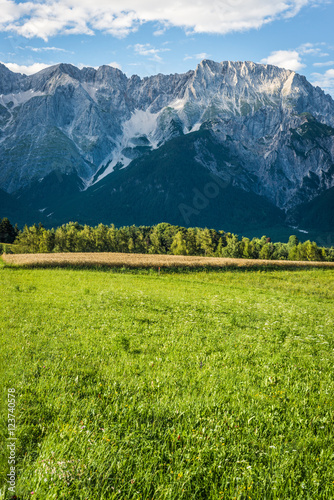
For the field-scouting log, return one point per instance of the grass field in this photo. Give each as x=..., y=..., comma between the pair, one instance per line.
x=135, y=260
x=201, y=385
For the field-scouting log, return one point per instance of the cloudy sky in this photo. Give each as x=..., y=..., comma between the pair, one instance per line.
x=146, y=37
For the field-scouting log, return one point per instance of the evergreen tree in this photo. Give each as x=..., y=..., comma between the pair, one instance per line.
x=219, y=249
x=330, y=254
x=46, y=241
x=233, y=248
x=294, y=253
x=101, y=238
x=60, y=239
x=256, y=247
x=131, y=245
x=293, y=241
x=140, y=242
x=123, y=239
x=312, y=251
x=191, y=243
x=28, y=240
x=179, y=244
x=112, y=239
x=7, y=232
x=72, y=230
x=247, y=250
x=266, y=251
x=280, y=251
x=205, y=242
x=161, y=238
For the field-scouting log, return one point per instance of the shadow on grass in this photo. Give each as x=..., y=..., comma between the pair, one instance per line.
x=154, y=270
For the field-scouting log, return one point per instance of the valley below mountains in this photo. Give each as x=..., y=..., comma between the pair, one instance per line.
x=243, y=147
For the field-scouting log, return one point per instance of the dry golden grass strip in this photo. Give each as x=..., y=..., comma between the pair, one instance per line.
x=144, y=260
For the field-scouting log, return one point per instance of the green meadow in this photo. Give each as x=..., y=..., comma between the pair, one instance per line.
x=189, y=385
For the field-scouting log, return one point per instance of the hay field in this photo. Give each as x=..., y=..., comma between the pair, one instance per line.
x=135, y=260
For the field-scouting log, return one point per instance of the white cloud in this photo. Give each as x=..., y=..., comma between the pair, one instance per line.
x=26, y=70
x=10, y=12
x=161, y=28
x=34, y=68
x=115, y=65
x=288, y=59
x=199, y=57
x=312, y=49
x=37, y=18
x=82, y=65
x=159, y=32
x=146, y=49
x=325, y=63
x=324, y=80
x=46, y=49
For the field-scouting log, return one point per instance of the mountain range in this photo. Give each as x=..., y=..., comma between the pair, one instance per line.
x=237, y=146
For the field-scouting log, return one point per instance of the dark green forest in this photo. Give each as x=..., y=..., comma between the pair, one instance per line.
x=162, y=238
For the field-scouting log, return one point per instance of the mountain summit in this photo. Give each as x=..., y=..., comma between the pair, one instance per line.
x=75, y=131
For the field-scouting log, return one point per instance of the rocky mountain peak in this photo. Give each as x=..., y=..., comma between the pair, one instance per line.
x=88, y=122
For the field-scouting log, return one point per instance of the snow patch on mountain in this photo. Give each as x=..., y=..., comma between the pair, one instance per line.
x=286, y=90
x=19, y=98
x=141, y=123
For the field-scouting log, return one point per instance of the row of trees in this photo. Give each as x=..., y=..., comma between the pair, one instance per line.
x=163, y=239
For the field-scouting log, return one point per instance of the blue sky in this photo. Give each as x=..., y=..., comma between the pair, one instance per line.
x=143, y=37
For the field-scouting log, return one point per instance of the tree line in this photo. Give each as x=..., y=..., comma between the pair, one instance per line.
x=163, y=238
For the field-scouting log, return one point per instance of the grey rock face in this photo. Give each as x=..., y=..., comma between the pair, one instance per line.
x=10, y=82
x=63, y=119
